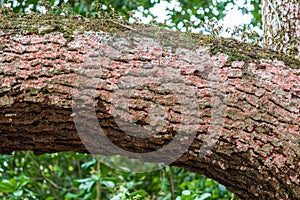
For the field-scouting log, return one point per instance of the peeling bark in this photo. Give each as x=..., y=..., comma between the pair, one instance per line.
x=243, y=116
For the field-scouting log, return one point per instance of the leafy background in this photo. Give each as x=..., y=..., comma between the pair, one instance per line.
x=70, y=175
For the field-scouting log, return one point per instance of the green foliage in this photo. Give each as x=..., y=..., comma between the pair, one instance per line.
x=186, y=13
x=71, y=175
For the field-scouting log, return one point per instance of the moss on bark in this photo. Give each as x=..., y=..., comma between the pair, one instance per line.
x=11, y=23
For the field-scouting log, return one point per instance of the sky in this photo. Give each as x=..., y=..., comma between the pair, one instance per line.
x=233, y=18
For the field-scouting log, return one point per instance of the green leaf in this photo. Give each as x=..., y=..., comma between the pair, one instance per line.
x=24, y=180
x=108, y=184
x=86, y=165
x=8, y=185
x=71, y=195
x=204, y=196
x=186, y=192
x=18, y=193
x=141, y=193
x=113, y=179
x=50, y=198
x=83, y=180
x=87, y=186
x=221, y=190
x=168, y=197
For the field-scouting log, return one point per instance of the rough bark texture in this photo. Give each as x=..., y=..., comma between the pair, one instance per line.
x=281, y=24
x=158, y=84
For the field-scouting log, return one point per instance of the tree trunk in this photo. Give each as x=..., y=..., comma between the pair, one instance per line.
x=219, y=107
x=281, y=24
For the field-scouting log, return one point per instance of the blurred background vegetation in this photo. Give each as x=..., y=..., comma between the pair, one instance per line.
x=70, y=175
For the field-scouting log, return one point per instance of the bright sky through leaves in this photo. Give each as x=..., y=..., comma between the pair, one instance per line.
x=234, y=17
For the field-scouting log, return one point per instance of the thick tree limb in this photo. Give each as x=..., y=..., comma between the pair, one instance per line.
x=148, y=87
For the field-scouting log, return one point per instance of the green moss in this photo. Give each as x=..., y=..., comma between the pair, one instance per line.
x=164, y=92
x=47, y=23
x=237, y=50
x=57, y=72
x=34, y=91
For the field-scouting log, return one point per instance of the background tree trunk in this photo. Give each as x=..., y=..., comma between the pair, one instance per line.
x=281, y=25
x=238, y=103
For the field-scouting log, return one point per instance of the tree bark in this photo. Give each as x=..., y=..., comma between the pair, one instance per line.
x=233, y=113
x=281, y=24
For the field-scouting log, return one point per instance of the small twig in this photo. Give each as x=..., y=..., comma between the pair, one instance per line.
x=42, y=174
x=79, y=169
x=98, y=186
x=123, y=25
x=172, y=184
